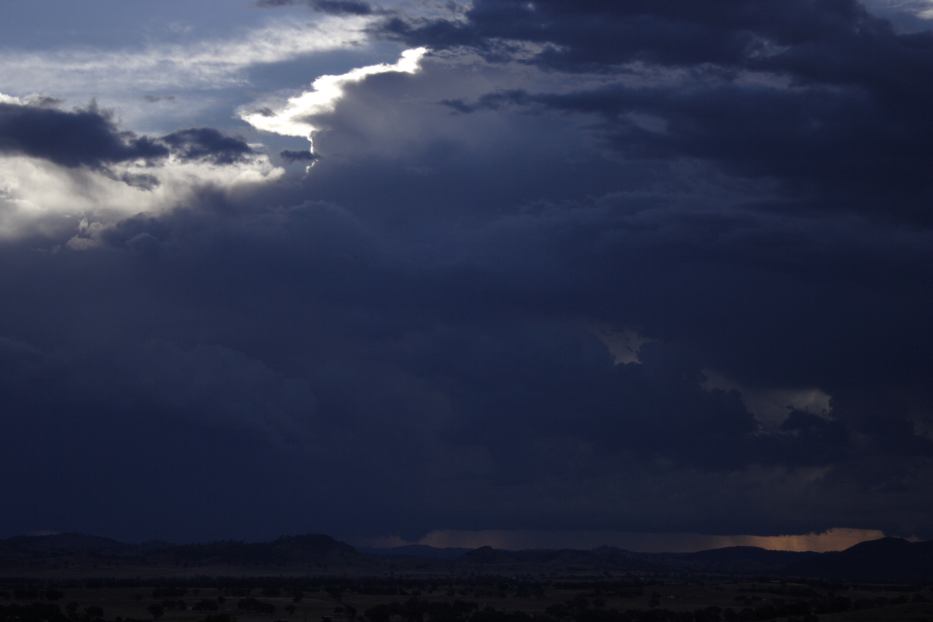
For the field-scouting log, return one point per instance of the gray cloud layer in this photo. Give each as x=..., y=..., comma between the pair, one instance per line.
x=414, y=337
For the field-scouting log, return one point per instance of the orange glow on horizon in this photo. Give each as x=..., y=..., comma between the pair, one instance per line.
x=836, y=539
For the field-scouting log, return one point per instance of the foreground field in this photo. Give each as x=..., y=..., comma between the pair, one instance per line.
x=477, y=599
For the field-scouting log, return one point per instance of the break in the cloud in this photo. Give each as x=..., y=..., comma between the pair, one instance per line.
x=922, y=9
x=156, y=67
x=295, y=117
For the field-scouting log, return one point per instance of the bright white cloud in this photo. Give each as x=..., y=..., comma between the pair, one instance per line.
x=904, y=12
x=40, y=197
x=921, y=8
x=294, y=118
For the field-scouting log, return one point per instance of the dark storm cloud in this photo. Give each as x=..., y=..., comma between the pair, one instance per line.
x=91, y=138
x=776, y=287
x=414, y=336
x=207, y=144
x=840, y=108
x=75, y=138
x=338, y=7
x=307, y=341
x=297, y=156
x=598, y=35
x=837, y=144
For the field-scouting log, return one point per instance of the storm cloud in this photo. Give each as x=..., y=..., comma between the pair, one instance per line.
x=638, y=266
x=352, y=7
x=89, y=137
x=83, y=137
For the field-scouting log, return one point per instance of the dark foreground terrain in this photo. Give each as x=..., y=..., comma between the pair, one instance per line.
x=75, y=578
x=888, y=560
x=486, y=599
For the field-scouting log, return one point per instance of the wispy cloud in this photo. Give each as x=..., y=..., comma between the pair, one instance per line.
x=922, y=9
x=203, y=64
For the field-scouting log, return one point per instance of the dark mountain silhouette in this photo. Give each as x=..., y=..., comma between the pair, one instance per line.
x=418, y=551
x=72, y=549
x=742, y=560
x=38, y=547
x=603, y=558
x=286, y=551
x=888, y=559
x=885, y=560
x=732, y=560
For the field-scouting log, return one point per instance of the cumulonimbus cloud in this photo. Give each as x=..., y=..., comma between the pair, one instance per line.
x=294, y=118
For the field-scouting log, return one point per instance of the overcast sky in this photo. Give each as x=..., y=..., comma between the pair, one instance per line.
x=508, y=272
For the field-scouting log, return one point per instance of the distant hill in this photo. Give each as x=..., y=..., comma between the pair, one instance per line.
x=39, y=547
x=418, y=551
x=312, y=549
x=885, y=560
x=604, y=558
x=733, y=560
x=888, y=559
x=75, y=549
x=742, y=560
